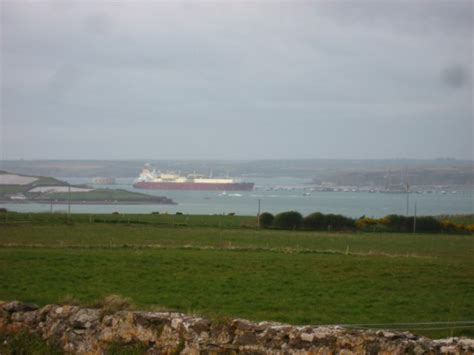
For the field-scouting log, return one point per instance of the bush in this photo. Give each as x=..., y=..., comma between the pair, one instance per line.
x=428, y=224
x=320, y=221
x=316, y=221
x=288, y=220
x=265, y=220
x=337, y=222
x=366, y=223
x=397, y=223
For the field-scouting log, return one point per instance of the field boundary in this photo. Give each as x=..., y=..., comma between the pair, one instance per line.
x=284, y=250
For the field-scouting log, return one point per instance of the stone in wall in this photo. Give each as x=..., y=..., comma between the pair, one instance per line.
x=88, y=331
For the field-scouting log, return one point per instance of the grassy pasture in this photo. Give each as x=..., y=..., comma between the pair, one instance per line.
x=6, y=189
x=102, y=195
x=220, y=270
x=152, y=219
x=105, y=195
x=103, y=235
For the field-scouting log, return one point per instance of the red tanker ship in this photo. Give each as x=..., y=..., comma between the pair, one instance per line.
x=150, y=179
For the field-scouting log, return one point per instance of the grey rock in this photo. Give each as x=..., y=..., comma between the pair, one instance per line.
x=81, y=331
x=84, y=318
x=16, y=306
x=246, y=338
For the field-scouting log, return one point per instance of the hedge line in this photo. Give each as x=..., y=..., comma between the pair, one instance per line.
x=336, y=222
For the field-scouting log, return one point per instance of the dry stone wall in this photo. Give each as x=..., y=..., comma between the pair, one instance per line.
x=88, y=331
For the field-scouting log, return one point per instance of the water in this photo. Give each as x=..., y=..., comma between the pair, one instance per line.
x=353, y=204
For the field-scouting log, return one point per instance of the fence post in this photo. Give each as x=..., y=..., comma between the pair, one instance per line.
x=414, y=220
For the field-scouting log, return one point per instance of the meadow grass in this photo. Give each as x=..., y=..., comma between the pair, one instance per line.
x=290, y=276
x=102, y=195
x=26, y=344
x=458, y=247
x=164, y=219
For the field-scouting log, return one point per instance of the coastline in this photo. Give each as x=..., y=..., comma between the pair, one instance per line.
x=98, y=202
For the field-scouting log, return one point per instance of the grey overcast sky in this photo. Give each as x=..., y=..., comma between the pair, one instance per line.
x=236, y=80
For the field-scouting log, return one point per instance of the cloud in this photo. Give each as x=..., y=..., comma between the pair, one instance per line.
x=455, y=76
x=218, y=71
x=98, y=23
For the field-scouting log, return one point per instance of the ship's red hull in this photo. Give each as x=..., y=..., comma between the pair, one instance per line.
x=237, y=186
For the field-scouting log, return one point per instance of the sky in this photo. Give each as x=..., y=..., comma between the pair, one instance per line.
x=236, y=80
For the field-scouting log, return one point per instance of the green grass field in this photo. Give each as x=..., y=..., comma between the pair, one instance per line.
x=150, y=219
x=220, y=266
x=41, y=181
x=102, y=195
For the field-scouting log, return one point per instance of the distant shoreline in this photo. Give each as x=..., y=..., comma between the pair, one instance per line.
x=48, y=202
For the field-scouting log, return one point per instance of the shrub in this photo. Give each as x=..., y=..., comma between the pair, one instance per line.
x=316, y=221
x=265, y=220
x=288, y=220
x=320, y=221
x=449, y=226
x=428, y=224
x=337, y=222
x=366, y=223
x=397, y=223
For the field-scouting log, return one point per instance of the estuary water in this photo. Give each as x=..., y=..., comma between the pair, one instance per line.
x=275, y=195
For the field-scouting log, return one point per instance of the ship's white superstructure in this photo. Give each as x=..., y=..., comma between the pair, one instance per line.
x=151, y=179
x=149, y=175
